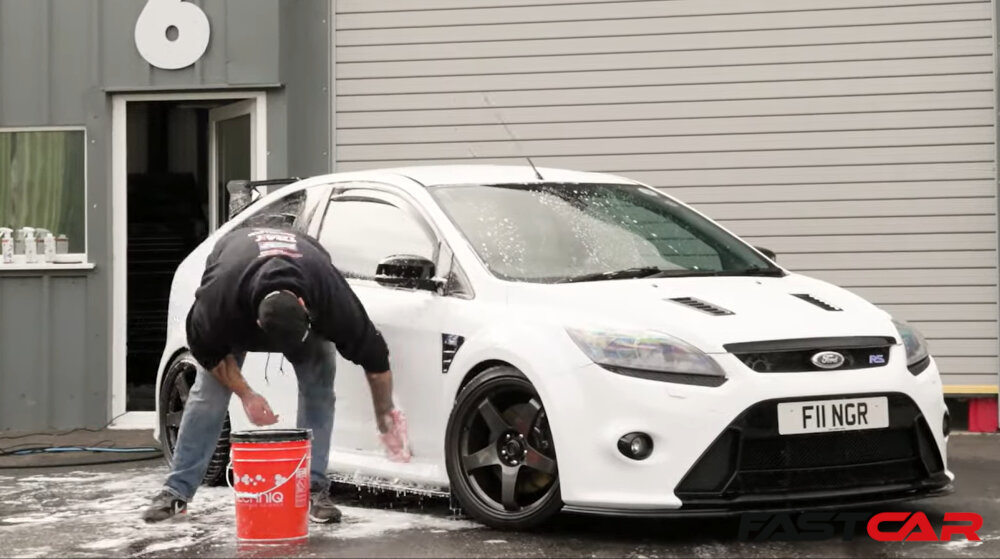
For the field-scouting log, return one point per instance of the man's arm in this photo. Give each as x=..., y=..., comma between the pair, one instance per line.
x=258, y=411
x=391, y=421
x=380, y=384
x=349, y=327
x=228, y=373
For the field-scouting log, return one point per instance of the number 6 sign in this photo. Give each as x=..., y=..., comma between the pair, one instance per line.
x=153, y=33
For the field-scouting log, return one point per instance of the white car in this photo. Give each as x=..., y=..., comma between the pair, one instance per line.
x=576, y=341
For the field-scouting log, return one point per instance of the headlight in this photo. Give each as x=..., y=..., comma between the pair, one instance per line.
x=916, y=347
x=651, y=355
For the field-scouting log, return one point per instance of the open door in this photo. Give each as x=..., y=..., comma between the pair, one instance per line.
x=232, y=139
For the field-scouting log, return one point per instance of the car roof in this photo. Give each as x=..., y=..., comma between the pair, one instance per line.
x=436, y=175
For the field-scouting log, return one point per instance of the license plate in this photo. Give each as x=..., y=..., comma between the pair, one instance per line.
x=821, y=416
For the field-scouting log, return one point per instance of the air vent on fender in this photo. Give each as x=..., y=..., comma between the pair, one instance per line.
x=450, y=343
x=821, y=304
x=702, y=306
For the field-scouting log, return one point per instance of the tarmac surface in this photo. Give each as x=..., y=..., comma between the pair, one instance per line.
x=93, y=511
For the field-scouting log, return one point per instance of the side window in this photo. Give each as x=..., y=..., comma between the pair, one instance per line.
x=283, y=213
x=360, y=233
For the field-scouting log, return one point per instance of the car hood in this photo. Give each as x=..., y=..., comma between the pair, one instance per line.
x=708, y=312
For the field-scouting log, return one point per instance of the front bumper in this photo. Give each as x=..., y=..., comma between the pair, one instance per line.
x=751, y=465
x=717, y=448
x=851, y=499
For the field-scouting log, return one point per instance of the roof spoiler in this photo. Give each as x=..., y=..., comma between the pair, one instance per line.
x=242, y=193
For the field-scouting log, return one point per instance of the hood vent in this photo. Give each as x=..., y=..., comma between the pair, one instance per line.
x=702, y=306
x=821, y=304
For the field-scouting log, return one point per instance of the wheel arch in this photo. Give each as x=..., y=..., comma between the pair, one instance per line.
x=167, y=361
x=477, y=370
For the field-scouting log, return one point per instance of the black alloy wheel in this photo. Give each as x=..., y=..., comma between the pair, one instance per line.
x=174, y=391
x=500, y=454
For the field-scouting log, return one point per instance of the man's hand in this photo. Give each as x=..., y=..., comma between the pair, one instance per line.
x=391, y=422
x=258, y=410
x=394, y=436
x=384, y=422
x=256, y=407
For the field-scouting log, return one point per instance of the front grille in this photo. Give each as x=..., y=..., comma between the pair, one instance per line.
x=762, y=483
x=750, y=458
x=791, y=356
x=827, y=449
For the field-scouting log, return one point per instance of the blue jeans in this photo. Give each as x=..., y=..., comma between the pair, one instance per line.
x=208, y=403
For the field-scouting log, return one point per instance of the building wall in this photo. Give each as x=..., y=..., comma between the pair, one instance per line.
x=855, y=140
x=60, y=63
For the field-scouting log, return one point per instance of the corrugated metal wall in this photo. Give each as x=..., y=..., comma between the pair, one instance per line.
x=60, y=62
x=854, y=139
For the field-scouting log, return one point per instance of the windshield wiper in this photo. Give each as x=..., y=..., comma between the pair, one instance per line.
x=627, y=273
x=751, y=271
x=654, y=272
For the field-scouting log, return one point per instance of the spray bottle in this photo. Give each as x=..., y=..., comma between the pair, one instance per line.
x=46, y=244
x=62, y=244
x=30, y=248
x=7, y=245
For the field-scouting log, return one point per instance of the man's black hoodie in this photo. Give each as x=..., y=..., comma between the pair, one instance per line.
x=246, y=265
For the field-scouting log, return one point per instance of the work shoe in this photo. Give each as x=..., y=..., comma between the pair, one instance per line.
x=164, y=506
x=321, y=508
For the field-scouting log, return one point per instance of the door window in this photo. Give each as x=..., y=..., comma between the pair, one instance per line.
x=360, y=233
x=283, y=213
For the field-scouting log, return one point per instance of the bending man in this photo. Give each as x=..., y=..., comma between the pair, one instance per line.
x=267, y=290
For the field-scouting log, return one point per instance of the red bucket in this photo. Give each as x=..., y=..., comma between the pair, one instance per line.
x=271, y=481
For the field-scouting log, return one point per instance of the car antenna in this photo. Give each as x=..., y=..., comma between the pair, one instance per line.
x=486, y=97
x=537, y=174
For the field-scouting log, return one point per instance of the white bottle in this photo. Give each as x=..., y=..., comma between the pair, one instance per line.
x=30, y=248
x=46, y=245
x=7, y=245
x=62, y=244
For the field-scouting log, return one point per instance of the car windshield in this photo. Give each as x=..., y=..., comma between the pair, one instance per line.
x=586, y=232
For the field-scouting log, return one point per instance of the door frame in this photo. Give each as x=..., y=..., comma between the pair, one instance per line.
x=257, y=172
x=123, y=419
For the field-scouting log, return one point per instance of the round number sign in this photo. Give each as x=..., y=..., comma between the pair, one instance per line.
x=171, y=34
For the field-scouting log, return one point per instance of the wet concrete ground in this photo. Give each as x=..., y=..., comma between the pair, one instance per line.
x=94, y=512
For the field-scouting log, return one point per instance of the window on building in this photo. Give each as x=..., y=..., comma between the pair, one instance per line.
x=42, y=183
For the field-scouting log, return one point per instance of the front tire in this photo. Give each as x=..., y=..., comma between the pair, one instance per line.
x=174, y=390
x=500, y=454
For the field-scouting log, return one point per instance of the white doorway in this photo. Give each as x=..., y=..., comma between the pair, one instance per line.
x=167, y=150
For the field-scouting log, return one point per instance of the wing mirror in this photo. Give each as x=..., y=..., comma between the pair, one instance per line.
x=407, y=270
x=768, y=253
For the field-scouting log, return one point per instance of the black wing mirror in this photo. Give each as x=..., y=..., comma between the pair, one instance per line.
x=768, y=253
x=407, y=270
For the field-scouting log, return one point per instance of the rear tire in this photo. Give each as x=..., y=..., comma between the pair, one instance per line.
x=177, y=383
x=500, y=454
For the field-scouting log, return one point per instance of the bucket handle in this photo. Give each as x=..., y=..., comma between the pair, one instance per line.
x=243, y=495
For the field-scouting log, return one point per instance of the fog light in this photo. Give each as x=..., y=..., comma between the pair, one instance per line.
x=637, y=446
x=946, y=423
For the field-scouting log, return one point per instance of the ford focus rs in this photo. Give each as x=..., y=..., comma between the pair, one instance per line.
x=577, y=341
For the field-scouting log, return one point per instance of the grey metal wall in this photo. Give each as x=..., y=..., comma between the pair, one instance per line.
x=60, y=62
